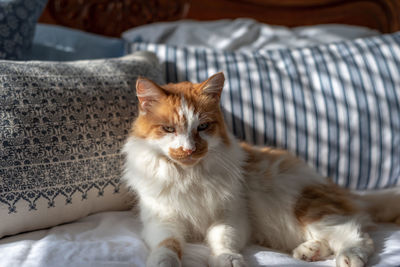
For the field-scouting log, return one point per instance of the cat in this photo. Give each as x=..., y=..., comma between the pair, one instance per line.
x=195, y=182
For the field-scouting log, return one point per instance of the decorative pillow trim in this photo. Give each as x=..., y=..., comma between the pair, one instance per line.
x=43, y=187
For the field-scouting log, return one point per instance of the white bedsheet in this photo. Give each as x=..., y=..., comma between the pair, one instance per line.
x=112, y=239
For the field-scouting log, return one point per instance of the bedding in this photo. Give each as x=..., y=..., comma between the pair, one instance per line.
x=52, y=42
x=241, y=34
x=111, y=239
x=336, y=105
x=17, y=26
x=62, y=126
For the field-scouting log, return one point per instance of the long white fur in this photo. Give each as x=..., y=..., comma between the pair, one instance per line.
x=217, y=202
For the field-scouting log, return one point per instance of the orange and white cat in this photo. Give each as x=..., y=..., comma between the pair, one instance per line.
x=196, y=182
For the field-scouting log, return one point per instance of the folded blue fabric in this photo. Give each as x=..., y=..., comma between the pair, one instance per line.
x=58, y=43
x=335, y=105
x=17, y=26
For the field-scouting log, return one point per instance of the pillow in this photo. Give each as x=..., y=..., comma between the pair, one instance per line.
x=335, y=105
x=61, y=128
x=53, y=42
x=17, y=26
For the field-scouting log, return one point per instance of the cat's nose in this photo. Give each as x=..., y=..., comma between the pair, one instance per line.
x=189, y=151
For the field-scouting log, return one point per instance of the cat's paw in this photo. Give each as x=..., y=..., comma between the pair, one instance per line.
x=312, y=250
x=355, y=256
x=163, y=257
x=227, y=260
x=349, y=259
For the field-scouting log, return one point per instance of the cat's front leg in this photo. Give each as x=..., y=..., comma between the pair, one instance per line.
x=165, y=242
x=226, y=240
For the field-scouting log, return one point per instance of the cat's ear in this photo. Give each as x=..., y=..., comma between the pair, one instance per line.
x=213, y=86
x=148, y=93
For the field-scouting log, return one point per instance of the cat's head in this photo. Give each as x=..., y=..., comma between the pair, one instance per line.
x=182, y=121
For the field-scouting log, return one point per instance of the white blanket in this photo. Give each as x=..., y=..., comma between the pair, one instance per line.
x=112, y=239
x=242, y=34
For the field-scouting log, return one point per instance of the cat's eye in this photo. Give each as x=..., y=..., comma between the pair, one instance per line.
x=168, y=129
x=203, y=126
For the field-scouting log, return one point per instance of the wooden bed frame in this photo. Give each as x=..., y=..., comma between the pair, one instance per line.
x=111, y=17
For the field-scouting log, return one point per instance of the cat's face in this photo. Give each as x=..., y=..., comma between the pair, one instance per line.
x=182, y=121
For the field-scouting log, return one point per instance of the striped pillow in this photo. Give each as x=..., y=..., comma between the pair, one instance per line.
x=335, y=105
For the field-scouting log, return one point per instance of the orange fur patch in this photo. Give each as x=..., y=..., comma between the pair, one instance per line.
x=150, y=124
x=320, y=200
x=172, y=244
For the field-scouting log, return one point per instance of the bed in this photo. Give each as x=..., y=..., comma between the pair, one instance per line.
x=98, y=229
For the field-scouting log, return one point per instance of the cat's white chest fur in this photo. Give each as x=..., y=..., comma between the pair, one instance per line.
x=194, y=197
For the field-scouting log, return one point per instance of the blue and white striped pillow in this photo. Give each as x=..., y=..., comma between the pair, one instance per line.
x=335, y=105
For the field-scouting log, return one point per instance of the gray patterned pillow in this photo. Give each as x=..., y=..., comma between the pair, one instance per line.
x=61, y=128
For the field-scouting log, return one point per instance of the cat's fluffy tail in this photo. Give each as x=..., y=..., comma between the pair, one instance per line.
x=383, y=205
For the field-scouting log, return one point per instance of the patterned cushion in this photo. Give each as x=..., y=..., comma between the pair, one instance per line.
x=17, y=26
x=61, y=128
x=335, y=105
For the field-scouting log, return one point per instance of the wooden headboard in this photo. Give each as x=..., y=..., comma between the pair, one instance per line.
x=111, y=17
